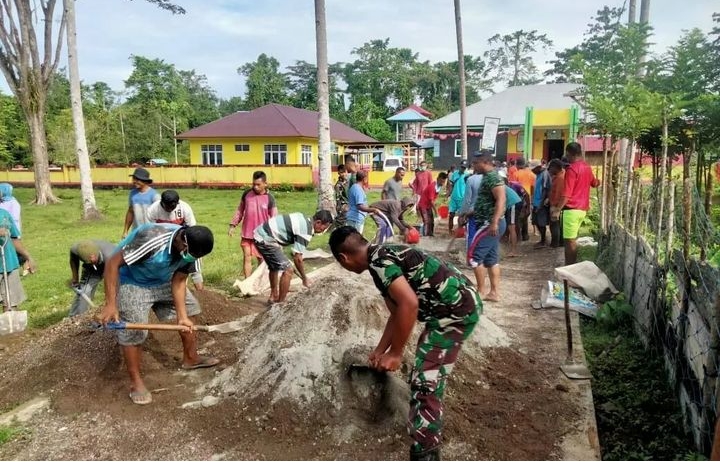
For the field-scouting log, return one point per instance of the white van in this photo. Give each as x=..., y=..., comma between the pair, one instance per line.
x=390, y=164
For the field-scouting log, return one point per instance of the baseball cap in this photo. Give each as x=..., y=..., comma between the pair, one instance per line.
x=200, y=240
x=169, y=197
x=142, y=175
x=463, y=164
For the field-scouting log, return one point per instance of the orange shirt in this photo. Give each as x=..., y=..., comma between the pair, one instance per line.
x=512, y=173
x=557, y=190
x=526, y=178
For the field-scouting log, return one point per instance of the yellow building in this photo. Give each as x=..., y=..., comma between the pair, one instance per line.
x=536, y=122
x=270, y=135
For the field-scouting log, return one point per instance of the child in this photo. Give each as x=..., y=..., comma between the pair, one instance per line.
x=256, y=206
x=426, y=205
x=557, y=190
x=416, y=285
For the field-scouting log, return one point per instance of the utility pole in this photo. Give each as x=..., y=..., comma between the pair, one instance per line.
x=461, y=71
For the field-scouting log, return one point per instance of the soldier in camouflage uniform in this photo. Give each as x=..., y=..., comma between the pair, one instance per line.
x=416, y=285
x=341, y=197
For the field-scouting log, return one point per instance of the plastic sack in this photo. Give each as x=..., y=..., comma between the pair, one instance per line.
x=553, y=295
x=12, y=322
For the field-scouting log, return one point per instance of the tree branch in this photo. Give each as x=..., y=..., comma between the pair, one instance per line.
x=58, y=48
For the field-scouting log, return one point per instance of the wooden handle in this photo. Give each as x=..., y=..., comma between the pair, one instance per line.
x=174, y=327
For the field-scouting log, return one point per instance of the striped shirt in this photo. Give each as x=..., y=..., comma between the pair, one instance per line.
x=289, y=229
x=147, y=252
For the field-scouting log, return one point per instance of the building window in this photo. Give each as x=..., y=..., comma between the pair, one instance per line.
x=242, y=148
x=306, y=151
x=458, y=148
x=275, y=154
x=211, y=154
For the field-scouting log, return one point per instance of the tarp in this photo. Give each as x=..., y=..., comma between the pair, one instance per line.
x=588, y=277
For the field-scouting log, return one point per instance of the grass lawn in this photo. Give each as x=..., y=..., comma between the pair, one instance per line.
x=48, y=233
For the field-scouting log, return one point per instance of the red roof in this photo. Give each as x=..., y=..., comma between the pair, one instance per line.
x=417, y=109
x=273, y=120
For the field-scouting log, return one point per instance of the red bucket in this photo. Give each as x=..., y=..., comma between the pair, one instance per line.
x=412, y=236
x=460, y=232
x=443, y=211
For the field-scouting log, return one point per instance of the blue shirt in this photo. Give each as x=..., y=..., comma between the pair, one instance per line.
x=149, y=260
x=356, y=197
x=458, y=180
x=542, y=188
x=140, y=202
x=511, y=198
x=11, y=259
x=472, y=186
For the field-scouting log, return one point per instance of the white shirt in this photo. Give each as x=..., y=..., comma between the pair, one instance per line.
x=182, y=214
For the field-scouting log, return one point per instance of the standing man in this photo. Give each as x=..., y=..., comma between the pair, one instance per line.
x=141, y=197
x=149, y=272
x=416, y=286
x=423, y=177
x=489, y=215
x=426, y=205
x=281, y=231
x=527, y=179
x=472, y=187
x=457, y=183
x=341, y=197
x=357, y=202
x=351, y=169
x=557, y=190
x=92, y=254
x=579, y=178
x=390, y=213
x=12, y=247
x=541, y=201
x=256, y=207
x=171, y=209
x=392, y=189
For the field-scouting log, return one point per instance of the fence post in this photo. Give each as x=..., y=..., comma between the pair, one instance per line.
x=670, y=223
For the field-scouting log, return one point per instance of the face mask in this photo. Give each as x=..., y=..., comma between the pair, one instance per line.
x=187, y=258
x=422, y=169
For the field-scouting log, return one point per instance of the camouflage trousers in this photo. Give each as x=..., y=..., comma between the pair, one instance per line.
x=437, y=350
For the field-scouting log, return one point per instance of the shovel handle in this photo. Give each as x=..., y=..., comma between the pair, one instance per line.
x=136, y=326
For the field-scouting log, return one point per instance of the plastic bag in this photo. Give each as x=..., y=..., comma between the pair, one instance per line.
x=553, y=295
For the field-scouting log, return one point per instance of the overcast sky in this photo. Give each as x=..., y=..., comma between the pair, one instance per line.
x=215, y=37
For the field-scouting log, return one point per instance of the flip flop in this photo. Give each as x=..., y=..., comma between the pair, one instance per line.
x=205, y=361
x=141, y=397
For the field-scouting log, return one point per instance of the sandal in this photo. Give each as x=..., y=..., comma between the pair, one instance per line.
x=141, y=397
x=205, y=361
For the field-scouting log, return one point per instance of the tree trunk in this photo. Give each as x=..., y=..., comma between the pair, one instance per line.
x=661, y=188
x=43, y=189
x=90, y=211
x=326, y=196
x=632, y=11
x=605, y=184
x=461, y=71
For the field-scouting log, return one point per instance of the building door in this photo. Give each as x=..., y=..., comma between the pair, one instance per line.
x=553, y=149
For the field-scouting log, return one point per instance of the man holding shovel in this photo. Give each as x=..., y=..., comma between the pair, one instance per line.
x=149, y=272
x=92, y=254
x=416, y=285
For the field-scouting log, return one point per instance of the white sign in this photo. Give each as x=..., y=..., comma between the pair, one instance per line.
x=490, y=131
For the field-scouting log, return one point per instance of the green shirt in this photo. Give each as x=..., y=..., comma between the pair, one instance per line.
x=485, y=203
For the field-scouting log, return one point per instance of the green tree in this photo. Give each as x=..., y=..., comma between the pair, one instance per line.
x=511, y=56
x=230, y=105
x=264, y=82
x=439, y=87
x=366, y=116
x=302, y=84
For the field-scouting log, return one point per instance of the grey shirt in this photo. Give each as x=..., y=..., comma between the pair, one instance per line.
x=106, y=251
x=472, y=186
x=392, y=209
x=392, y=189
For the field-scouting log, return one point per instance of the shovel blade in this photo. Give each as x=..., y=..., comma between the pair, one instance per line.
x=12, y=322
x=227, y=327
x=576, y=371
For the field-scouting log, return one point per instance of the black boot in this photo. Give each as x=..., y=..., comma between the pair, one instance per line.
x=430, y=454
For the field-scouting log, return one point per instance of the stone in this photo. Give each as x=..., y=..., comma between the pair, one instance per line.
x=25, y=412
x=209, y=401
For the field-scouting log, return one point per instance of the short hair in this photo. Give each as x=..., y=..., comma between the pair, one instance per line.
x=349, y=158
x=573, y=149
x=555, y=163
x=361, y=175
x=423, y=162
x=259, y=175
x=169, y=197
x=399, y=169
x=323, y=216
x=200, y=240
x=442, y=176
x=341, y=168
x=484, y=156
x=344, y=239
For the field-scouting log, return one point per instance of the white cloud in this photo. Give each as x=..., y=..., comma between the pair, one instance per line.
x=215, y=37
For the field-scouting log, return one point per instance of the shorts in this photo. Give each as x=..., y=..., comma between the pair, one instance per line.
x=512, y=214
x=249, y=243
x=17, y=293
x=455, y=205
x=135, y=302
x=384, y=229
x=541, y=215
x=358, y=225
x=485, y=249
x=571, y=221
x=273, y=256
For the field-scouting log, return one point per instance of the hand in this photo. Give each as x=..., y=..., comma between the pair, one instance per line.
x=546, y=202
x=554, y=214
x=375, y=357
x=199, y=285
x=345, y=208
x=31, y=266
x=388, y=362
x=108, y=313
x=306, y=281
x=231, y=231
x=124, y=235
x=493, y=229
x=186, y=322
x=462, y=220
x=73, y=284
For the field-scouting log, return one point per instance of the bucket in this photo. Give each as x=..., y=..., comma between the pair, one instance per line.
x=413, y=236
x=443, y=211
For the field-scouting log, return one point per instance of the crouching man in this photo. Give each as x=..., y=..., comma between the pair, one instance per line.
x=416, y=285
x=149, y=271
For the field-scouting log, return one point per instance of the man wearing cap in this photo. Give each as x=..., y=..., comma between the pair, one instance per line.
x=457, y=182
x=541, y=201
x=92, y=254
x=392, y=188
x=141, y=197
x=149, y=272
x=171, y=209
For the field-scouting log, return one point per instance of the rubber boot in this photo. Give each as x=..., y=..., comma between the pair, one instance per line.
x=430, y=454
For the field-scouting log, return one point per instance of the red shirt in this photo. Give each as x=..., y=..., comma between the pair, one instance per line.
x=512, y=173
x=579, y=178
x=428, y=196
x=421, y=181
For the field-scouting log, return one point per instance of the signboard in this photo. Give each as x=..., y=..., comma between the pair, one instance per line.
x=490, y=131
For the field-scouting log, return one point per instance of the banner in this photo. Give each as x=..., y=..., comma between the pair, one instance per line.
x=490, y=131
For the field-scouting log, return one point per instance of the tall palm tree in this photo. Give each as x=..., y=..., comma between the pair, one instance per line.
x=461, y=70
x=326, y=199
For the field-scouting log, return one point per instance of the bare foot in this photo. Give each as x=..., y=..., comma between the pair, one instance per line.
x=513, y=255
x=491, y=297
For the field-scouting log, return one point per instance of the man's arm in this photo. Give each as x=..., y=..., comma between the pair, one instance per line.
x=403, y=312
x=111, y=277
x=570, y=181
x=385, y=340
x=383, y=194
x=237, y=218
x=179, y=289
x=189, y=216
x=500, y=201
x=129, y=218
x=300, y=266
x=74, y=267
x=22, y=251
